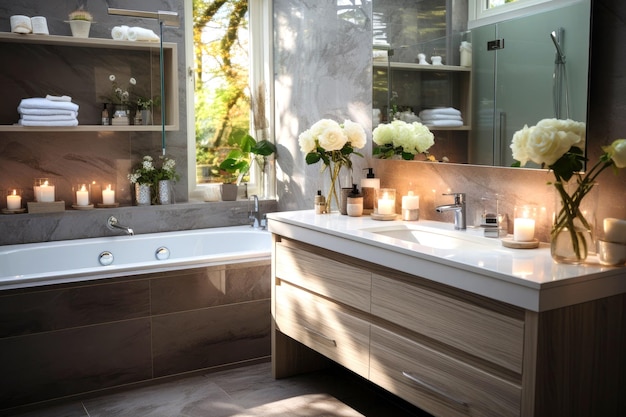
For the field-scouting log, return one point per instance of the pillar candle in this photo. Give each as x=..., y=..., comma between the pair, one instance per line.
x=523, y=229
x=14, y=201
x=108, y=196
x=82, y=196
x=46, y=193
x=386, y=206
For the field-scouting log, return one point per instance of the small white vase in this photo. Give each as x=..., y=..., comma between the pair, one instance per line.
x=80, y=28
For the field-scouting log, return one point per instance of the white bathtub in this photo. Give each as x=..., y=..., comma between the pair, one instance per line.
x=36, y=264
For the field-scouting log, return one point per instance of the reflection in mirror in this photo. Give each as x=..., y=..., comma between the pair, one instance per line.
x=520, y=82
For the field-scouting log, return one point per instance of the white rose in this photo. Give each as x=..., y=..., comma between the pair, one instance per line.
x=518, y=145
x=332, y=138
x=617, y=152
x=383, y=134
x=546, y=146
x=355, y=134
x=320, y=126
x=306, y=141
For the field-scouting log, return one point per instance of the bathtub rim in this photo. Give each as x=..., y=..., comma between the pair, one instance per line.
x=15, y=282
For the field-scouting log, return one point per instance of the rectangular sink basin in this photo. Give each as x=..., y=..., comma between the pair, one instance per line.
x=437, y=239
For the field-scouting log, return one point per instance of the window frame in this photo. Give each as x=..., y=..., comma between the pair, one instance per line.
x=261, y=55
x=479, y=15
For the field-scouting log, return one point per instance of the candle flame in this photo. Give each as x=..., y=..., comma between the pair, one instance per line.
x=109, y=187
x=82, y=188
x=45, y=184
x=14, y=192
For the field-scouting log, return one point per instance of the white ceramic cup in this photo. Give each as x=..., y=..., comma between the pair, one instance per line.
x=40, y=25
x=436, y=60
x=21, y=24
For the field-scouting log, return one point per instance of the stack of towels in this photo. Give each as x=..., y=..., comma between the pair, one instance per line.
x=125, y=33
x=48, y=111
x=442, y=117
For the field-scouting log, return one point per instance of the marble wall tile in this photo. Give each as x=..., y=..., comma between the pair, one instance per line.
x=209, y=287
x=56, y=309
x=210, y=337
x=73, y=361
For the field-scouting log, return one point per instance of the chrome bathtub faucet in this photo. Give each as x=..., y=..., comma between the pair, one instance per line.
x=113, y=224
x=459, y=210
x=259, y=221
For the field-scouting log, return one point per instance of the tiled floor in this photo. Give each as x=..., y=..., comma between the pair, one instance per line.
x=243, y=392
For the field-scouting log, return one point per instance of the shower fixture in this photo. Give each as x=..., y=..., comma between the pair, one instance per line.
x=559, y=83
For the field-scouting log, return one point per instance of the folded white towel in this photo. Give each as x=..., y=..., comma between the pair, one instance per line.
x=70, y=122
x=444, y=123
x=120, y=33
x=141, y=34
x=58, y=98
x=441, y=117
x=49, y=118
x=42, y=103
x=47, y=112
x=441, y=110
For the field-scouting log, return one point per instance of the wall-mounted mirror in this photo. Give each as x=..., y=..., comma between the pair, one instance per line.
x=519, y=73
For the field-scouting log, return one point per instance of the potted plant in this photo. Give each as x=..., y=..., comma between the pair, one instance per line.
x=80, y=22
x=144, y=108
x=237, y=162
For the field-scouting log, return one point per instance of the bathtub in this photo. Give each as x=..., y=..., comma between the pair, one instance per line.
x=36, y=264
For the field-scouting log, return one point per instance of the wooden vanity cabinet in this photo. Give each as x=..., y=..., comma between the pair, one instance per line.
x=445, y=350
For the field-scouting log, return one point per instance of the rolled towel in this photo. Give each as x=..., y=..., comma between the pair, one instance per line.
x=141, y=34
x=440, y=110
x=444, y=123
x=42, y=103
x=120, y=33
x=68, y=122
x=47, y=112
x=49, y=118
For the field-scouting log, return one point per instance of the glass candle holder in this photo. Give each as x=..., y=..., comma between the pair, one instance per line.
x=82, y=194
x=524, y=219
x=43, y=190
x=14, y=199
x=108, y=194
x=385, y=202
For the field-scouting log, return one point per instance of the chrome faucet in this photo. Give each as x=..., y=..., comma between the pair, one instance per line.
x=459, y=210
x=113, y=224
x=258, y=220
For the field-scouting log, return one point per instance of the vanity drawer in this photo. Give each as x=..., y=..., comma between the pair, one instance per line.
x=482, y=332
x=324, y=327
x=437, y=383
x=316, y=272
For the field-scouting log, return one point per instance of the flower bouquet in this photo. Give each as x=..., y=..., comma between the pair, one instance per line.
x=148, y=179
x=559, y=145
x=401, y=138
x=332, y=143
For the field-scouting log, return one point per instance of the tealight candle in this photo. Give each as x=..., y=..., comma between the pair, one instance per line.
x=108, y=195
x=14, y=200
x=410, y=206
x=82, y=196
x=46, y=193
x=614, y=230
x=524, y=224
x=386, y=200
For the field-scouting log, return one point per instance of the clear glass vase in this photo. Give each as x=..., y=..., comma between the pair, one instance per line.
x=573, y=230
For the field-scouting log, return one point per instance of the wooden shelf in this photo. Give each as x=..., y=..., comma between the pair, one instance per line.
x=170, y=65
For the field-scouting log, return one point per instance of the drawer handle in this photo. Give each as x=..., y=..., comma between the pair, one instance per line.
x=434, y=389
x=321, y=335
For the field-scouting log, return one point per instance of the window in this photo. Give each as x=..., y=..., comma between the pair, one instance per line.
x=228, y=62
x=483, y=12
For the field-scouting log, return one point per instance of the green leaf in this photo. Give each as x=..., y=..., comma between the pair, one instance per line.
x=312, y=158
x=263, y=148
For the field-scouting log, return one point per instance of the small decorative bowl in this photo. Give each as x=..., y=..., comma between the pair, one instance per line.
x=611, y=253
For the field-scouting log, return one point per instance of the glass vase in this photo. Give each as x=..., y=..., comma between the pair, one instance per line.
x=573, y=229
x=334, y=191
x=143, y=194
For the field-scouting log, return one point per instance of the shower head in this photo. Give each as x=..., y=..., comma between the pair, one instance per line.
x=557, y=45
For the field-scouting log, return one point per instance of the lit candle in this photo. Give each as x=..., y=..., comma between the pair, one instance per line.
x=108, y=195
x=14, y=201
x=523, y=229
x=410, y=201
x=46, y=193
x=387, y=203
x=82, y=196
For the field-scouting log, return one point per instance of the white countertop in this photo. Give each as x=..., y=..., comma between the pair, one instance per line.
x=526, y=278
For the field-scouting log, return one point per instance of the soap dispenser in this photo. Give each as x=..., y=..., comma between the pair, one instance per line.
x=369, y=185
x=354, y=206
x=320, y=203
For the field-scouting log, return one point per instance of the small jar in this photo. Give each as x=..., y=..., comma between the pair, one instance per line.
x=320, y=203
